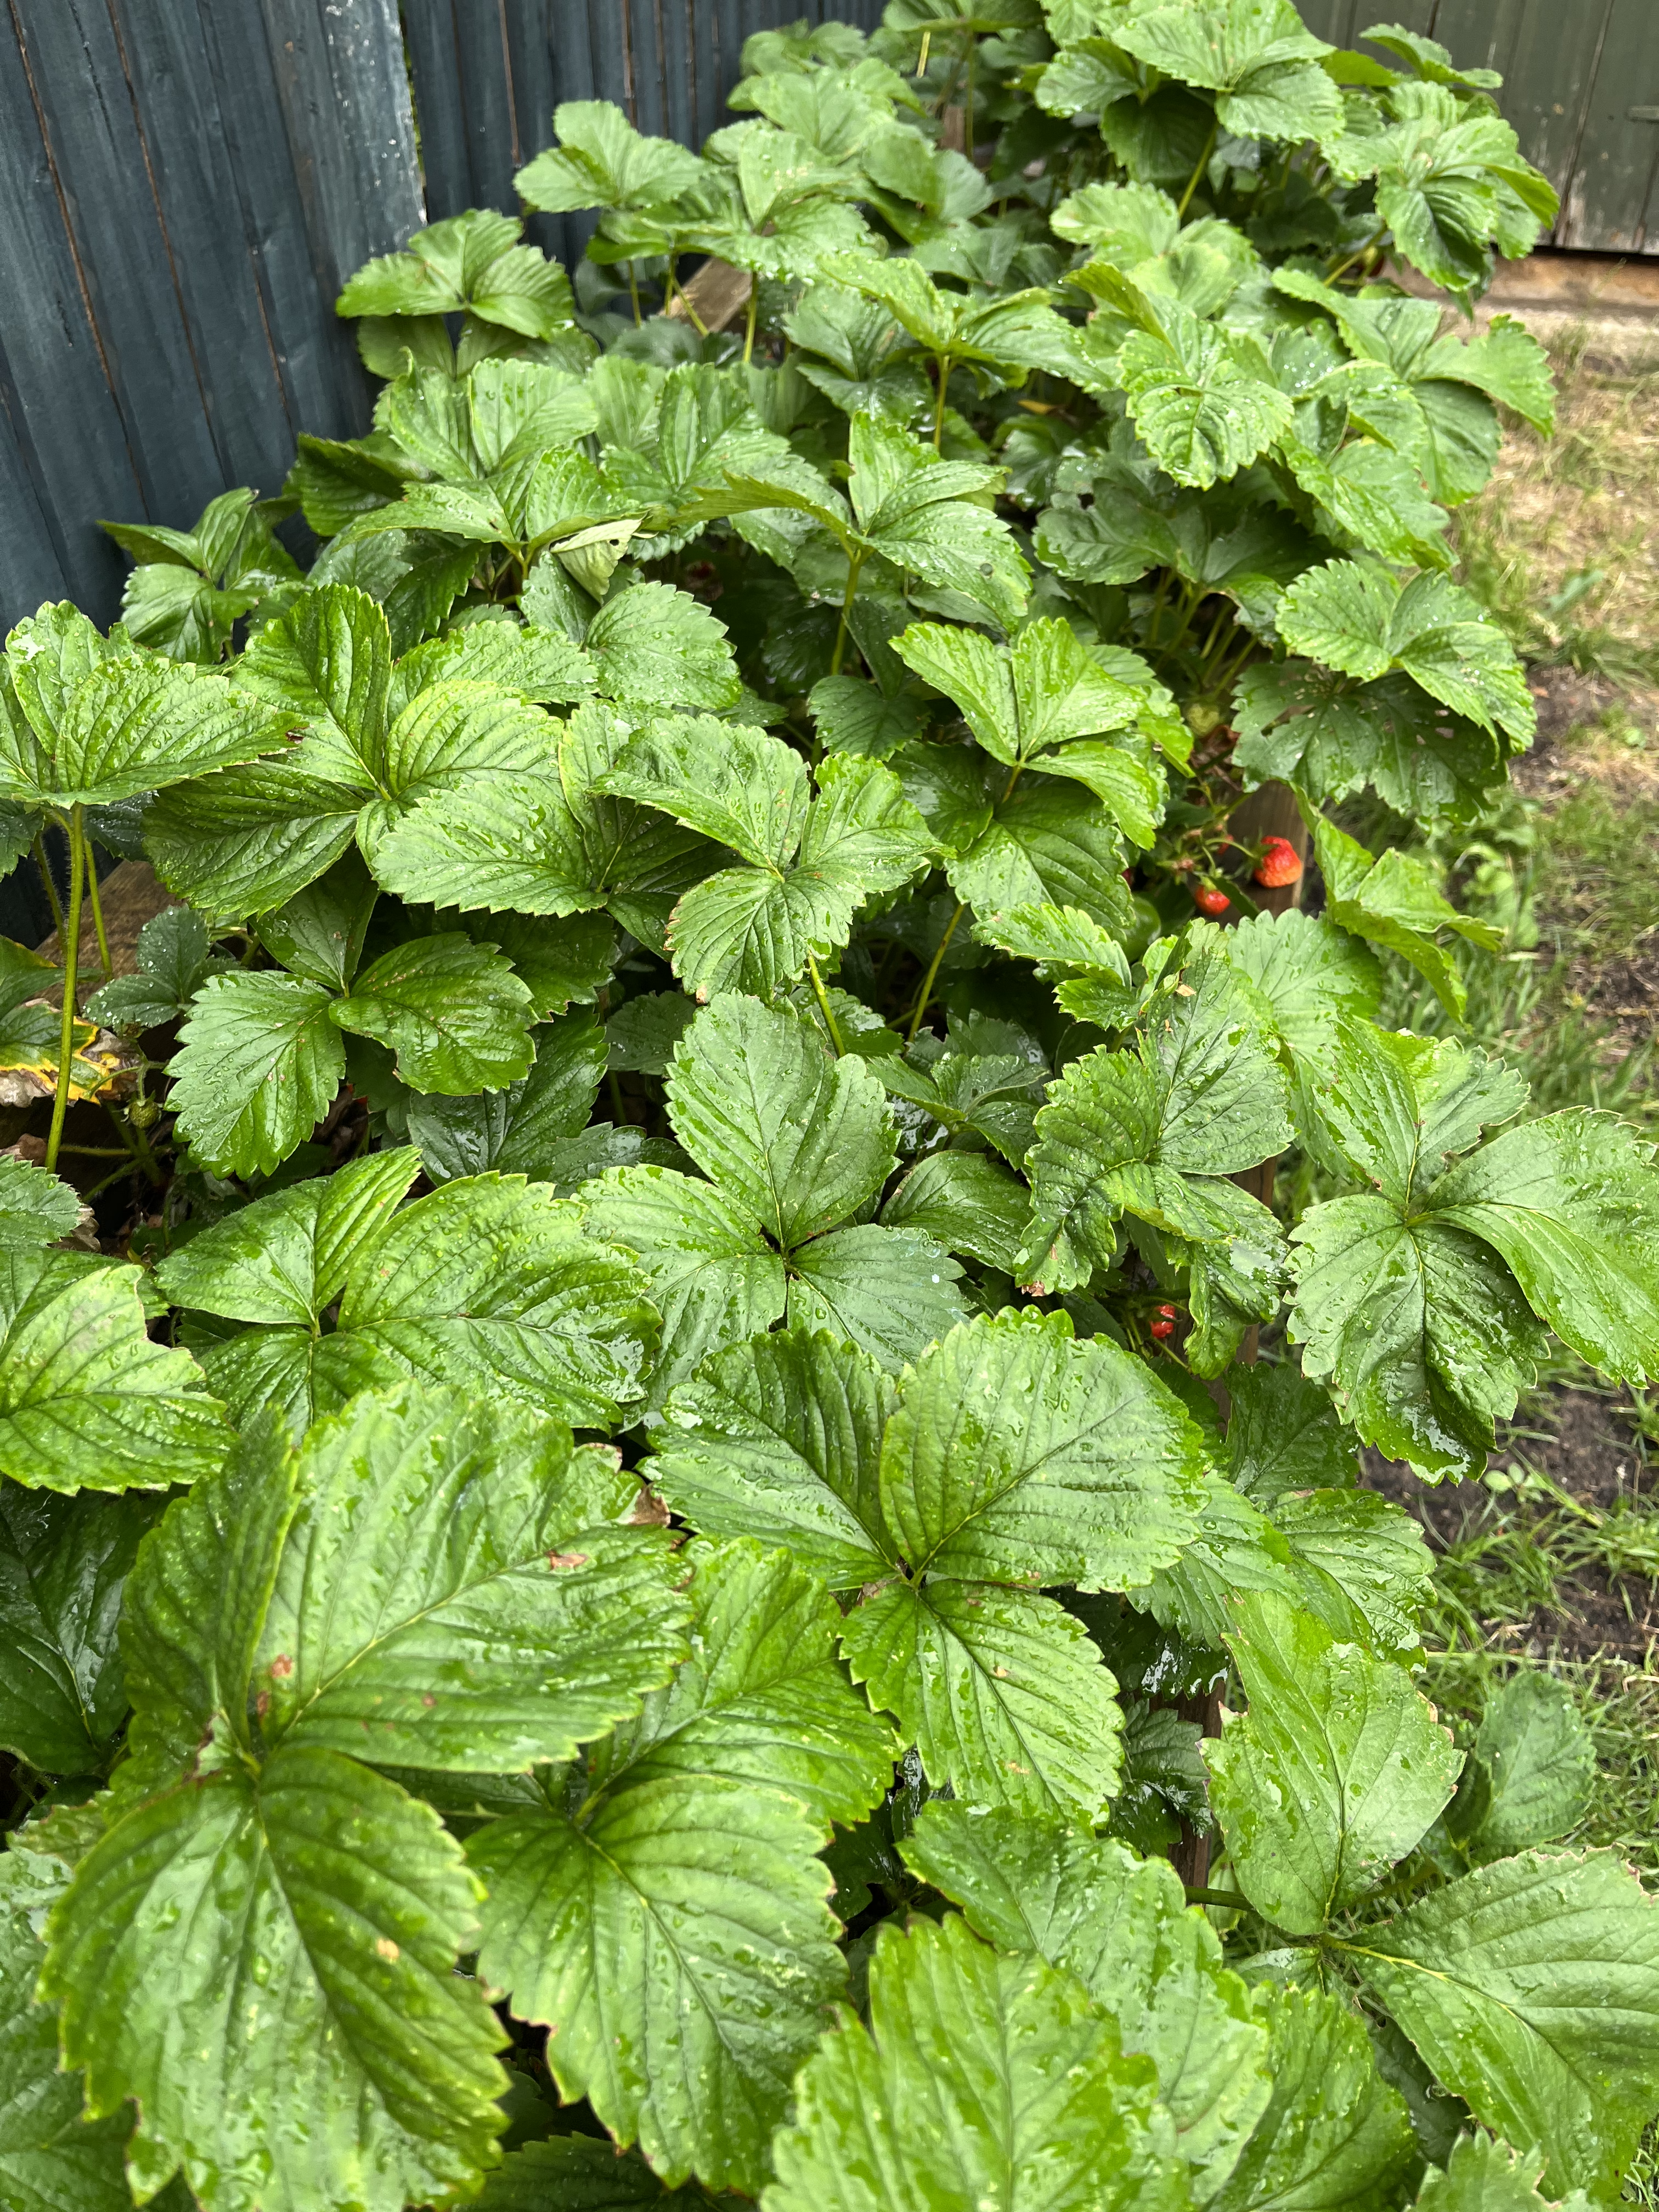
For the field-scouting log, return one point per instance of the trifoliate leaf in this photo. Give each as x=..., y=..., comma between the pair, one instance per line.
x=471, y=262
x=713, y=1276
x=51, y=2159
x=800, y=1139
x=779, y=1438
x=1327, y=735
x=488, y=1284
x=918, y=512
x=1336, y=1770
x=1202, y=411
x=1401, y=1303
x=675, y=1933
x=1530, y=1774
x=1333, y=2134
x=761, y=1698
x=87, y=1400
x=1397, y=902
x=1124, y=1928
x=551, y=844
x=1155, y=1132
x=601, y=161
x=374, y=2074
x=1258, y=57
x=753, y=928
x=980, y=2080
x=1001, y=1691
x=527, y=1128
x=174, y=959
x=1532, y=1990
x=454, y=1012
x=259, y=1061
x=1486, y=2176
x=1360, y=619
x=454, y=1593
x=62, y=1695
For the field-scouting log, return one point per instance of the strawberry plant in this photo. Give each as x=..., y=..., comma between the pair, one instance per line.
x=684, y=1525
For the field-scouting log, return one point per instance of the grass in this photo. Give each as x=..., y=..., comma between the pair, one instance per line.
x=1560, y=544
x=1553, y=1560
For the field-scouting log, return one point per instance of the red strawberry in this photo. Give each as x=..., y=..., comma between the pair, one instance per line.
x=1280, y=864
x=1210, y=899
x=1168, y=1312
x=1162, y=1328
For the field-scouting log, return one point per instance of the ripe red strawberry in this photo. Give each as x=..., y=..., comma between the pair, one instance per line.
x=1280, y=864
x=1162, y=1328
x=1168, y=1312
x=1210, y=899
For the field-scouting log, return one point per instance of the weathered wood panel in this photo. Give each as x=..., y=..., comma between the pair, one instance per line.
x=184, y=184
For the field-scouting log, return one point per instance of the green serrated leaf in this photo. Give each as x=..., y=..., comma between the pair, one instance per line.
x=452, y=1588
x=527, y=1128
x=1123, y=1927
x=373, y=2077
x=1532, y=1990
x=1333, y=2133
x=798, y=1139
x=1001, y=1691
x=779, y=1438
x=454, y=1012
x=1336, y=1770
x=1155, y=1132
x=51, y=2159
x=760, y=1699
x=677, y=1935
x=1531, y=1772
x=488, y=1284
x=88, y=1401
x=980, y=2080
x=259, y=1062
x=890, y=1291
x=62, y=1695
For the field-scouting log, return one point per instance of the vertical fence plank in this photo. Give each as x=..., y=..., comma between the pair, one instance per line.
x=184, y=186
x=121, y=251
x=1611, y=198
x=67, y=441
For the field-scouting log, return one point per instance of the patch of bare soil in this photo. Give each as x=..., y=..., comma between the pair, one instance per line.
x=1583, y=1443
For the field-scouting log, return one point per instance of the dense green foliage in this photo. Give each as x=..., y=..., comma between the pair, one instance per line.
x=959, y=1746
